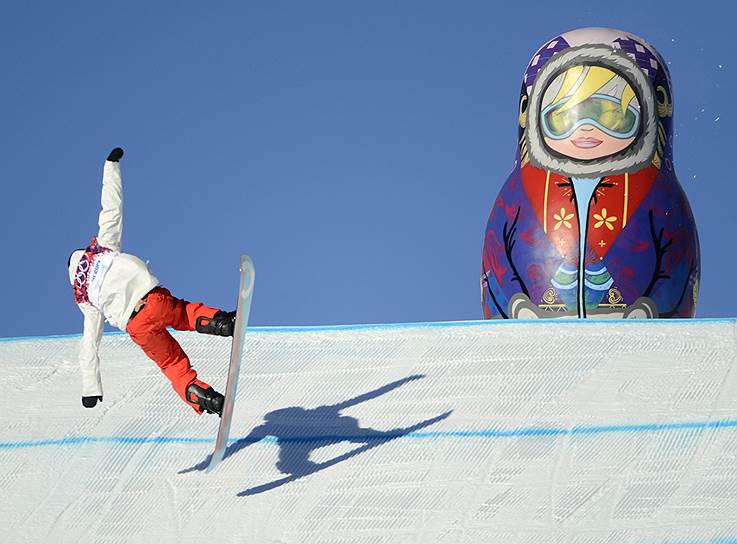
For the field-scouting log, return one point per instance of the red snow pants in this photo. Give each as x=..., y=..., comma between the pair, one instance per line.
x=148, y=329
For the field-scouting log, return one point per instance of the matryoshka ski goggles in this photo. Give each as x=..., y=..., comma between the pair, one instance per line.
x=600, y=110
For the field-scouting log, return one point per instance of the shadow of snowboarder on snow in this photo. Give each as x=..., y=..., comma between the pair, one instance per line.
x=299, y=431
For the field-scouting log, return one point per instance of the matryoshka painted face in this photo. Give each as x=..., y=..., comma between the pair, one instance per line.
x=589, y=112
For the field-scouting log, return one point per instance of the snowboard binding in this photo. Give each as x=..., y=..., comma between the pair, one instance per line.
x=208, y=399
x=221, y=324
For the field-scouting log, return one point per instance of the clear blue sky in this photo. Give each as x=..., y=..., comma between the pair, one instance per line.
x=352, y=148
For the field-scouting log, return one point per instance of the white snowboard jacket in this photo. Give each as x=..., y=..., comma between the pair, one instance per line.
x=114, y=281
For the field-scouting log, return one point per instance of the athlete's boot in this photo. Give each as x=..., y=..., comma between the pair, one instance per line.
x=221, y=324
x=208, y=399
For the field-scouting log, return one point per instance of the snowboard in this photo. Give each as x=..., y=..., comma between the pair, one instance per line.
x=243, y=309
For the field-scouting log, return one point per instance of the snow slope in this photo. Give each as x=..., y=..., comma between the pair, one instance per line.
x=422, y=433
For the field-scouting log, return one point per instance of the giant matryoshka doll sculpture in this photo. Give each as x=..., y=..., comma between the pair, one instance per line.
x=592, y=222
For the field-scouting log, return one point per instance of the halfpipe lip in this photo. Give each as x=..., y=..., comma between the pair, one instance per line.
x=423, y=325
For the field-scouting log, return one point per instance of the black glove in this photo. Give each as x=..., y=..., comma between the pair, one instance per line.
x=115, y=155
x=89, y=402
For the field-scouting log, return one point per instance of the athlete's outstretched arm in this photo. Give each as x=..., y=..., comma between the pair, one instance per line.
x=89, y=359
x=109, y=235
x=111, y=216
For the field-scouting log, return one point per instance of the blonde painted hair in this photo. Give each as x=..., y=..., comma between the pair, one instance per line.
x=580, y=82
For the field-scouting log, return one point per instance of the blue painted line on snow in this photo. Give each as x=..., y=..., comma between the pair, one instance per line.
x=717, y=540
x=431, y=325
x=530, y=432
x=83, y=440
x=488, y=323
x=721, y=540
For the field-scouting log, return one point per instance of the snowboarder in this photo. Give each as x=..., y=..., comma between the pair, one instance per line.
x=118, y=287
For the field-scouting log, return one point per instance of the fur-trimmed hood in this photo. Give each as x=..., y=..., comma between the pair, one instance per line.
x=626, y=55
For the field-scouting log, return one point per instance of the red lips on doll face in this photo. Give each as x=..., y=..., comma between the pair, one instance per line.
x=586, y=143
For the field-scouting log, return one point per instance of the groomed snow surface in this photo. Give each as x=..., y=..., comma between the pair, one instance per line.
x=575, y=432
